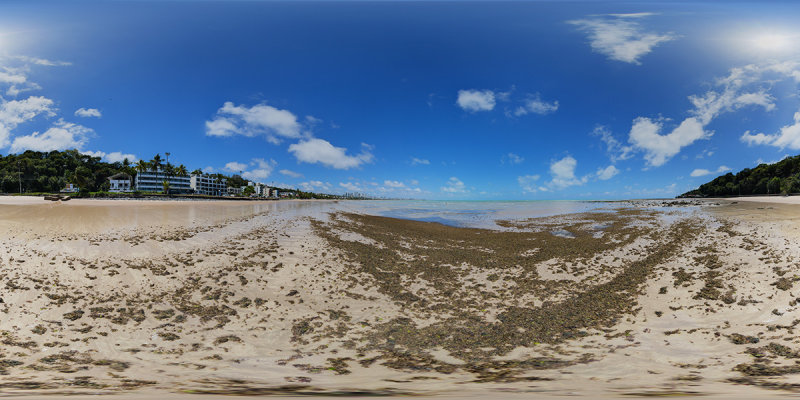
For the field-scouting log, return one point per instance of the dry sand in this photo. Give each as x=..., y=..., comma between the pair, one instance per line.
x=159, y=299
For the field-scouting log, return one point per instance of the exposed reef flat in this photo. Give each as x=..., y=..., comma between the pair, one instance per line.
x=311, y=298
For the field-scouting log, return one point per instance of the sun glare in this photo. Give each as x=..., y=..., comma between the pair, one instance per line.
x=773, y=42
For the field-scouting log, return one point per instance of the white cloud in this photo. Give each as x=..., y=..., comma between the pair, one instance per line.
x=743, y=87
x=321, y=151
x=620, y=36
x=61, y=136
x=351, y=187
x=257, y=170
x=703, y=172
x=536, y=105
x=116, y=156
x=454, y=185
x=41, y=61
x=394, y=184
x=315, y=186
x=563, y=172
x=788, y=136
x=15, y=69
x=235, y=167
x=512, y=158
x=209, y=170
x=528, y=183
x=260, y=119
x=88, y=112
x=607, y=173
x=645, y=135
x=476, y=100
x=262, y=169
x=615, y=150
x=419, y=161
x=15, y=112
x=291, y=173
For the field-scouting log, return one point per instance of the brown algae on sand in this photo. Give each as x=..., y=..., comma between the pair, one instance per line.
x=478, y=323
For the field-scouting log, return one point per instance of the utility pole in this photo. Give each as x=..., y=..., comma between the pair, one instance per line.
x=165, y=172
x=19, y=176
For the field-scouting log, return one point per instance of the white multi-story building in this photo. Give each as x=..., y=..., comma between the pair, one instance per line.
x=153, y=181
x=208, y=185
x=120, y=182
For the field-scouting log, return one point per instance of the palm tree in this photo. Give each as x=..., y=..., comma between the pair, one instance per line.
x=182, y=171
x=142, y=166
x=155, y=163
x=169, y=169
x=197, y=172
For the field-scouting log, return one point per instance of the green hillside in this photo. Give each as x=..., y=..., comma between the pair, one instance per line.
x=783, y=177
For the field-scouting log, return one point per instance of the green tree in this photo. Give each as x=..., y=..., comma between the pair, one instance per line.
x=248, y=190
x=774, y=185
x=155, y=163
x=165, y=184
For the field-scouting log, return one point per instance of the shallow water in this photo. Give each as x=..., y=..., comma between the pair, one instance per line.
x=473, y=214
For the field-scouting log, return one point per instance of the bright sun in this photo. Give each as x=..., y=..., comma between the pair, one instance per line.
x=773, y=42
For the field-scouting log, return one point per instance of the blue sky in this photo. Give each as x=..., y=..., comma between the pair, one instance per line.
x=440, y=100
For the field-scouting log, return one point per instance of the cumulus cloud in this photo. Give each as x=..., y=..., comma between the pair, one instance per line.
x=290, y=173
x=261, y=169
x=787, y=136
x=536, y=105
x=256, y=170
x=607, y=173
x=235, y=167
x=321, y=151
x=742, y=87
x=260, y=119
x=115, y=156
x=659, y=148
x=454, y=185
x=419, y=161
x=528, y=183
x=16, y=112
x=476, y=100
x=703, y=172
x=563, y=173
x=621, y=37
x=88, y=113
x=61, y=136
x=316, y=186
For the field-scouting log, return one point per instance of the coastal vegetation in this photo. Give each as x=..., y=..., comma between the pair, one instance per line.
x=782, y=177
x=36, y=172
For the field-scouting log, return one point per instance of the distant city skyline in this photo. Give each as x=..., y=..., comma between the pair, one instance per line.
x=430, y=100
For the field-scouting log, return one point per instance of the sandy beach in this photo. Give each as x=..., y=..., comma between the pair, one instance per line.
x=185, y=299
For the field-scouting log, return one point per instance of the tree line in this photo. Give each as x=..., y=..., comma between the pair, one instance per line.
x=49, y=172
x=782, y=177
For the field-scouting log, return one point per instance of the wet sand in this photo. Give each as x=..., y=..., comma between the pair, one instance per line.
x=181, y=299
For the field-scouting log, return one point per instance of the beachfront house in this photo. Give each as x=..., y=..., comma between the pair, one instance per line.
x=153, y=181
x=70, y=188
x=208, y=185
x=120, y=182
